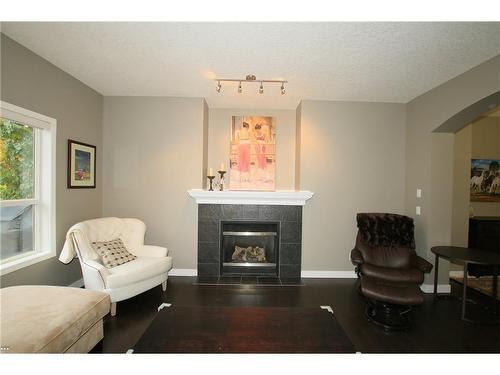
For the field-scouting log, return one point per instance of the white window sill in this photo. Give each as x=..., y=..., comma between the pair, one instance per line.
x=25, y=261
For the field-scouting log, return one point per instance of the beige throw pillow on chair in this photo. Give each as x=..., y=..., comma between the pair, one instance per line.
x=113, y=253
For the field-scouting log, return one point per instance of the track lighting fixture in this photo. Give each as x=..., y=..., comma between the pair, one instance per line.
x=250, y=78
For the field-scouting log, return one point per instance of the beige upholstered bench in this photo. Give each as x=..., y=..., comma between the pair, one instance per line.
x=51, y=319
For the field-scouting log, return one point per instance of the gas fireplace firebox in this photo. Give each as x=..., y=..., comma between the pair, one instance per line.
x=249, y=248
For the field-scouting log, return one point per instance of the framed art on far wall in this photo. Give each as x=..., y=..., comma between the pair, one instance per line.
x=81, y=165
x=485, y=180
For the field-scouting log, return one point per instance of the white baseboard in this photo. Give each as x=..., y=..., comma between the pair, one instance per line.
x=77, y=284
x=329, y=274
x=441, y=288
x=305, y=274
x=183, y=272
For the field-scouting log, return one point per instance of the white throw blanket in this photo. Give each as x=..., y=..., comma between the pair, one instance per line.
x=69, y=252
x=106, y=228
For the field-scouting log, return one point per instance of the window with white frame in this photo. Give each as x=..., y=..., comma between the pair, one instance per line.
x=27, y=187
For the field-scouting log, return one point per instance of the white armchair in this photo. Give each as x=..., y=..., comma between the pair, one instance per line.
x=127, y=280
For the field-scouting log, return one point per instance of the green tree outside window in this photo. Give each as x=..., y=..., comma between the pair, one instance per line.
x=16, y=160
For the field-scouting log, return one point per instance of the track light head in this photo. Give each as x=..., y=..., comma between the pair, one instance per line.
x=239, y=89
x=218, y=86
x=261, y=88
x=283, y=92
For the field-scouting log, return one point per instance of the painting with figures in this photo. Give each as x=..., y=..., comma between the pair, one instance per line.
x=253, y=153
x=485, y=180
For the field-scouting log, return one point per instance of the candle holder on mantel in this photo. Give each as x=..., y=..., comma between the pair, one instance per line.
x=211, y=178
x=221, y=181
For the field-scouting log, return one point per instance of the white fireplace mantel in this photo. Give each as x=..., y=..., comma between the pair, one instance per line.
x=279, y=197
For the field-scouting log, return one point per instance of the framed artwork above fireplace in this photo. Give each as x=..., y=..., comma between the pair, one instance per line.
x=253, y=153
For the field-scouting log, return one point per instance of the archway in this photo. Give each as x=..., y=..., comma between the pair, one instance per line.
x=451, y=192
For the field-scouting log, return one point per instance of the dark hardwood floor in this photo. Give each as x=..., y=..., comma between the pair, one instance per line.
x=436, y=325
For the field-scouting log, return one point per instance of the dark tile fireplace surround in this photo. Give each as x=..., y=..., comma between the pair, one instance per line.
x=287, y=220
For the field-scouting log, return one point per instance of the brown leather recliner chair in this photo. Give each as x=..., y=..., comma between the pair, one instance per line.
x=389, y=270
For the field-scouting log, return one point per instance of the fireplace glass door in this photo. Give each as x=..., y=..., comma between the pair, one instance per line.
x=249, y=248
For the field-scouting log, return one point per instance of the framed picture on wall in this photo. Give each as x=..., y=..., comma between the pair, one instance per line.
x=485, y=180
x=81, y=165
x=253, y=153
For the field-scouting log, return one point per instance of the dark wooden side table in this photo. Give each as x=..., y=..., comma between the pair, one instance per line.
x=465, y=256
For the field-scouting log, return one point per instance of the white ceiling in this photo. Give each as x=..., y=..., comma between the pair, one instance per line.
x=377, y=62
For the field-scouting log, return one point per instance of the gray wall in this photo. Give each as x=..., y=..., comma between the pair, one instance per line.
x=429, y=156
x=204, y=170
x=461, y=187
x=153, y=152
x=298, y=140
x=352, y=157
x=33, y=83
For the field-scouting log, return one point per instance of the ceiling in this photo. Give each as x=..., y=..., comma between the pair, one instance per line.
x=376, y=62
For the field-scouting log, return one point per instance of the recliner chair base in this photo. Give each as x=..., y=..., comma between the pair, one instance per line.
x=390, y=317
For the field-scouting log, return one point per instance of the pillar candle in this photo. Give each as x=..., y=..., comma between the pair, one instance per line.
x=221, y=167
x=210, y=172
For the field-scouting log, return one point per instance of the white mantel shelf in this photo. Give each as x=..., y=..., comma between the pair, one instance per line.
x=279, y=197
